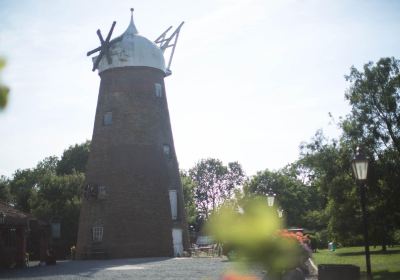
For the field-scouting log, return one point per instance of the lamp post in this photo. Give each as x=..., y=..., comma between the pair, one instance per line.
x=360, y=170
x=270, y=197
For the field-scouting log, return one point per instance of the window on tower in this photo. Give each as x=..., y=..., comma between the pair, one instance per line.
x=158, y=89
x=97, y=233
x=173, y=199
x=167, y=150
x=101, y=192
x=107, y=118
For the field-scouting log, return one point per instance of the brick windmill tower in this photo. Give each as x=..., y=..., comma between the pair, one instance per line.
x=133, y=201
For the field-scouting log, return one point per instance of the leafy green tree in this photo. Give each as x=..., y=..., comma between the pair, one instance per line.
x=4, y=189
x=215, y=183
x=326, y=164
x=374, y=96
x=188, y=193
x=374, y=122
x=58, y=196
x=22, y=186
x=4, y=90
x=24, y=183
x=47, y=166
x=48, y=195
x=292, y=195
x=74, y=159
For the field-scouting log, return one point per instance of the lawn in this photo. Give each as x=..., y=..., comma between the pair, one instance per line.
x=385, y=266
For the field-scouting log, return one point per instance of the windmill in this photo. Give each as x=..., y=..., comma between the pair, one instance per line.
x=133, y=202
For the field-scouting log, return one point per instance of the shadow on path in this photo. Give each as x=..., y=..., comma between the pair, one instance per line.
x=85, y=269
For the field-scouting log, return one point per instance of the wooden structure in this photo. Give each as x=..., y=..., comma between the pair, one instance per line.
x=16, y=228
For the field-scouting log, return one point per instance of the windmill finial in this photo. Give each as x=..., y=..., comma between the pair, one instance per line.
x=132, y=23
x=131, y=28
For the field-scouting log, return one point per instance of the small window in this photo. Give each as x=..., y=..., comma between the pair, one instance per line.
x=167, y=150
x=158, y=89
x=101, y=194
x=97, y=233
x=107, y=119
x=55, y=229
x=173, y=199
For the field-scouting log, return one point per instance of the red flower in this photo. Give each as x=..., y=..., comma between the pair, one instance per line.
x=234, y=276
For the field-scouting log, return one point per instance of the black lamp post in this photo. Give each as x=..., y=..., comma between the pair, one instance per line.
x=360, y=170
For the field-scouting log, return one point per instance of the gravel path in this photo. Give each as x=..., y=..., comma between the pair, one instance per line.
x=146, y=268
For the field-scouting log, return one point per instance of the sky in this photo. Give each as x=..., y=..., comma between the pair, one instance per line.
x=252, y=79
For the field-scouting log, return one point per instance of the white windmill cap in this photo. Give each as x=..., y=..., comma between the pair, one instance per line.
x=133, y=50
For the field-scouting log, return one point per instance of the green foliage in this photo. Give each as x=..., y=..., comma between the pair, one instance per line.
x=396, y=236
x=322, y=239
x=25, y=182
x=74, y=159
x=385, y=265
x=22, y=186
x=254, y=236
x=188, y=193
x=315, y=219
x=327, y=167
x=214, y=183
x=374, y=123
x=4, y=189
x=292, y=194
x=49, y=193
x=58, y=196
x=374, y=97
x=4, y=90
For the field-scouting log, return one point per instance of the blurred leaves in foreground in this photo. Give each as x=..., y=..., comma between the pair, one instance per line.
x=3, y=89
x=255, y=237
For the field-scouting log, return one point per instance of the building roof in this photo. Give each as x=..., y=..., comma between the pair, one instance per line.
x=133, y=50
x=13, y=216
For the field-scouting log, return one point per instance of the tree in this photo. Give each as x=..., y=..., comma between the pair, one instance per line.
x=74, y=159
x=4, y=189
x=374, y=96
x=188, y=193
x=374, y=122
x=22, y=185
x=327, y=165
x=58, y=196
x=291, y=194
x=25, y=182
x=50, y=195
x=215, y=183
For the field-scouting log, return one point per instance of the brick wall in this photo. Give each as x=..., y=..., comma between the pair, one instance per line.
x=128, y=158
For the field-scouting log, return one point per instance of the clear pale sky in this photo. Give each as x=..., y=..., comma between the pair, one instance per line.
x=251, y=79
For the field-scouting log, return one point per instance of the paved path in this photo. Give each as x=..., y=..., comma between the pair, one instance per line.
x=147, y=268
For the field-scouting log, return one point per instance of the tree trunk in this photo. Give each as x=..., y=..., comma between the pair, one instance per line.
x=384, y=239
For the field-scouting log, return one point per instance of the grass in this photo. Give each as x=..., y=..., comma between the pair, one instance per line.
x=384, y=265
